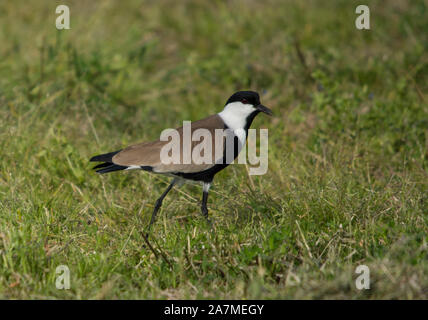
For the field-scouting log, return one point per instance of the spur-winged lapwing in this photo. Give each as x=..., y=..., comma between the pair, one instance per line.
x=236, y=118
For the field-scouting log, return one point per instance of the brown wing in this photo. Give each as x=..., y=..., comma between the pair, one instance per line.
x=149, y=153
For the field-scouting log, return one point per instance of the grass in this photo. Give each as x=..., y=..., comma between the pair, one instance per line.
x=348, y=149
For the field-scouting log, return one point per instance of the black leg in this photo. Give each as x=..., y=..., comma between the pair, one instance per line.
x=158, y=204
x=204, y=208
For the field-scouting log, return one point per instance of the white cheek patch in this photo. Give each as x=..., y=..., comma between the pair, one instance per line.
x=235, y=114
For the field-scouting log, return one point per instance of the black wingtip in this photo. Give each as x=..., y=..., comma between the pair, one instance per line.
x=102, y=165
x=106, y=157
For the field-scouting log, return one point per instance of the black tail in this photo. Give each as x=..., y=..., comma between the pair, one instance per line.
x=108, y=165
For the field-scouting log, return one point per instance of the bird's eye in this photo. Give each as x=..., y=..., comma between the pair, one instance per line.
x=244, y=101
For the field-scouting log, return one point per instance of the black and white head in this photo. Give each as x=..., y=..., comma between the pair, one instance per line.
x=241, y=108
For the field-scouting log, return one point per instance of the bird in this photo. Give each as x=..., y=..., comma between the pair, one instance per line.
x=235, y=119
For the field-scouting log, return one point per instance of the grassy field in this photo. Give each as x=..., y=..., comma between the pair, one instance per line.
x=348, y=149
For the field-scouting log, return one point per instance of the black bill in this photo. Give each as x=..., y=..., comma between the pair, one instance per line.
x=264, y=109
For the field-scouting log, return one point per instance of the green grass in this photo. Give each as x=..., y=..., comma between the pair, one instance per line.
x=348, y=149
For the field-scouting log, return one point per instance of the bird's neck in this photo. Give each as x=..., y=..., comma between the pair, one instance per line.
x=235, y=121
x=238, y=123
